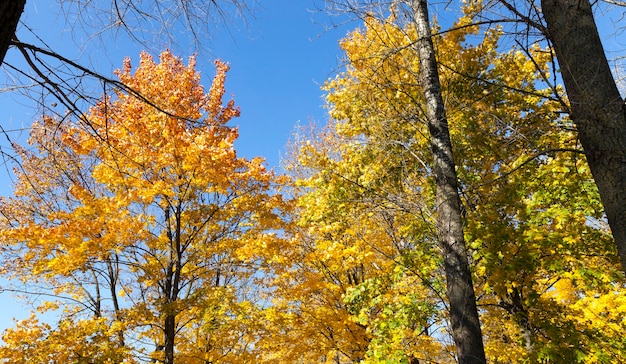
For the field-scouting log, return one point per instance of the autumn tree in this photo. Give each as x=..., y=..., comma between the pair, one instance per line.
x=597, y=107
x=593, y=98
x=360, y=289
x=148, y=232
x=542, y=258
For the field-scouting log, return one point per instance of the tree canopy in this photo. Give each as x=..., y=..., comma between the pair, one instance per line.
x=148, y=230
x=533, y=218
x=136, y=225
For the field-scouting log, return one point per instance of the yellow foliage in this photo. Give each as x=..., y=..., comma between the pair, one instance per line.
x=541, y=259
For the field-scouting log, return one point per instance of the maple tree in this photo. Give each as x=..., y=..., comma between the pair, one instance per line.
x=355, y=293
x=44, y=73
x=143, y=225
x=542, y=256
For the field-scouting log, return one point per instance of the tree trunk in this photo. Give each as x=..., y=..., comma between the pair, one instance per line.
x=170, y=334
x=597, y=108
x=172, y=280
x=113, y=275
x=10, y=13
x=464, y=319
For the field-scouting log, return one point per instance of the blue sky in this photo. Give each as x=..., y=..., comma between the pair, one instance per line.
x=276, y=75
x=279, y=60
x=277, y=68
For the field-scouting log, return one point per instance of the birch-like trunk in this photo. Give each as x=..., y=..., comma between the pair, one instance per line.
x=466, y=330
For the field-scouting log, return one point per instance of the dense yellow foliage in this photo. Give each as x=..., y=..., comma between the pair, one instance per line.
x=546, y=272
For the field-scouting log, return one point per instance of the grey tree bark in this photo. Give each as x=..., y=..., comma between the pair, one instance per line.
x=464, y=318
x=597, y=108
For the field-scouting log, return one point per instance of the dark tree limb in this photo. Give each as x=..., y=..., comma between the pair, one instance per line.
x=10, y=14
x=597, y=107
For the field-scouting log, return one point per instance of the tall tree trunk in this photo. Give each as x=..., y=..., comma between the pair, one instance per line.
x=466, y=329
x=597, y=108
x=10, y=13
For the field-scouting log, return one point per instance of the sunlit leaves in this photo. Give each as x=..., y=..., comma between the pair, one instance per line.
x=541, y=254
x=87, y=340
x=143, y=213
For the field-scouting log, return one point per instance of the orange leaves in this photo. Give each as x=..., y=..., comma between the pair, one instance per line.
x=148, y=215
x=174, y=88
x=166, y=143
x=214, y=105
x=169, y=85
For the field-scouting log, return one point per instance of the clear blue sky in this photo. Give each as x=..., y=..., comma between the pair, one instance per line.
x=279, y=60
x=277, y=68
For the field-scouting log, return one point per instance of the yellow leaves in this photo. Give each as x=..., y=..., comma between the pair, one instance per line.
x=35, y=342
x=18, y=341
x=365, y=189
x=564, y=291
x=80, y=193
